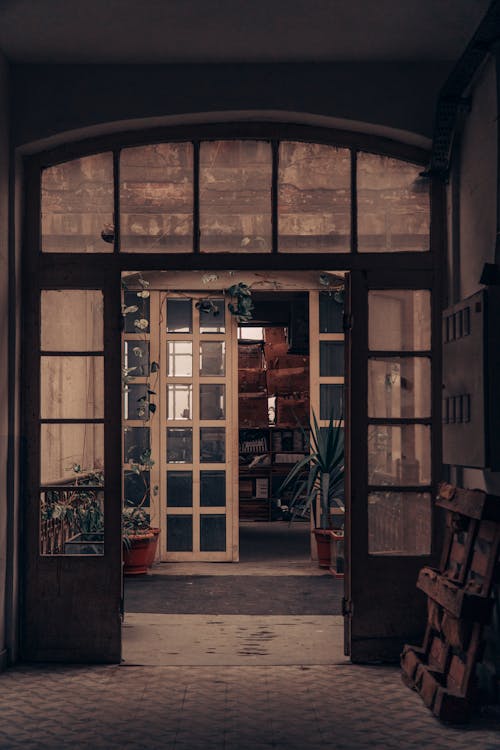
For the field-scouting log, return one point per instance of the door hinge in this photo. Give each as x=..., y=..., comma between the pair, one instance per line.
x=346, y=607
x=347, y=322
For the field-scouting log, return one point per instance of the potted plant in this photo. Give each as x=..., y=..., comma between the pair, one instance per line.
x=140, y=540
x=317, y=482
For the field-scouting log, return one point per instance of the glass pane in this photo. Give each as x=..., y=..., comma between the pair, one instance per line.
x=179, y=316
x=180, y=489
x=212, y=533
x=399, y=319
x=136, y=358
x=331, y=312
x=78, y=205
x=179, y=445
x=212, y=358
x=212, y=316
x=399, y=388
x=314, y=199
x=399, y=523
x=235, y=196
x=136, y=401
x=212, y=401
x=72, y=387
x=393, y=205
x=180, y=358
x=136, y=311
x=136, y=488
x=72, y=453
x=179, y=533
x=72, y=522
x=72, y=320
x=212, y=488
x=180, y=401
x=212, y=444
x=136, y=445
x=331, y=359
x=399, y=454
x=331, y=401
x=156, y=198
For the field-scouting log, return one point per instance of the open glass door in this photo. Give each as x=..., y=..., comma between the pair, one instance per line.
x=72, y=581
x=390, y=460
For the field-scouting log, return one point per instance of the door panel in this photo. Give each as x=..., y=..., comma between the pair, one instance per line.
x=391, y=461
x=72, y=576
x=198, y=422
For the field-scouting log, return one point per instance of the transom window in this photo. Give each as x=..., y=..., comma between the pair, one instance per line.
x=235, y=196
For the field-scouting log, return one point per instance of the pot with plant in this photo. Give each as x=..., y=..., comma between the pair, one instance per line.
x=316, y=482
x=140, y=540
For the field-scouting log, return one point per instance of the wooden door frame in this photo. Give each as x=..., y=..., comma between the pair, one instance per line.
x=77, y=271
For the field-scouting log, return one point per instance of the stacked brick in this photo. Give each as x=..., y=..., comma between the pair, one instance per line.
x=459, y=593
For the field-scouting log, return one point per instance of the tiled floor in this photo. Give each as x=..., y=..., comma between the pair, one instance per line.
x=222, y=708
x=231, y=682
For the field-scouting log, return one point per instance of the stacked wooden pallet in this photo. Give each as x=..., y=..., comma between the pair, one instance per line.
x=443, y=669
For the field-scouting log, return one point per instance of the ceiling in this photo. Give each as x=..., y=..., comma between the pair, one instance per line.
x=177, y=31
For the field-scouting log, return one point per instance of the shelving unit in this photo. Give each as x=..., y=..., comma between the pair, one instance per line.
x=266, y=456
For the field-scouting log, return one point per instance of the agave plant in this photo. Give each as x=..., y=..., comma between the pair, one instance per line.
x=325, y=473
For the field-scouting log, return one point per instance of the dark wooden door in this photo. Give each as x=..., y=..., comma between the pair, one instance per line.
x=392, y=459
x=72, y=529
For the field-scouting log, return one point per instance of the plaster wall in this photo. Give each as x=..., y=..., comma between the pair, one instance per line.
x=476, y=214
x=54, y=99
x=4, y=338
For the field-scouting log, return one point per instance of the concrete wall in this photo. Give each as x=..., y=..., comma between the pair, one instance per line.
x=4, y=338
x=52, y=99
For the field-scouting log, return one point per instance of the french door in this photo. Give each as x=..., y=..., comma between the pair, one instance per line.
x=181, y=423
x=72, y=521
x=392, y=458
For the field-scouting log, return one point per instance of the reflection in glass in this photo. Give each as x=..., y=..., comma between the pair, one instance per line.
x=399, y=320
x=72, y=387
x=331, y=359
x=212, y=316
x=156, y=198
x=180, y=359
x=314, y=198
x=212, y=358
x=212, y=488
x=136, y=358
x=331, y=312
x=331, y=401
x=212, y=444
x=180, y=401
x=180, y=489
x=212, y=533
x=399, y=454
x=72, y=320
x=72, y=522
x=136, y=488
x=399, y=523
x=136, y=400
x=212, y=401
x=179, y=445
x=71, y=452
x=179, y=316
x=136, y=311
x=179, y=533
x=393, y=205
x=399, y=387
x=235, y=196
x=136, y=445
x=78, y=206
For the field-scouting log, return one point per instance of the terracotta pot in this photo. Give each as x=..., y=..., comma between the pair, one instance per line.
x=139, y=557
x=323, y=537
